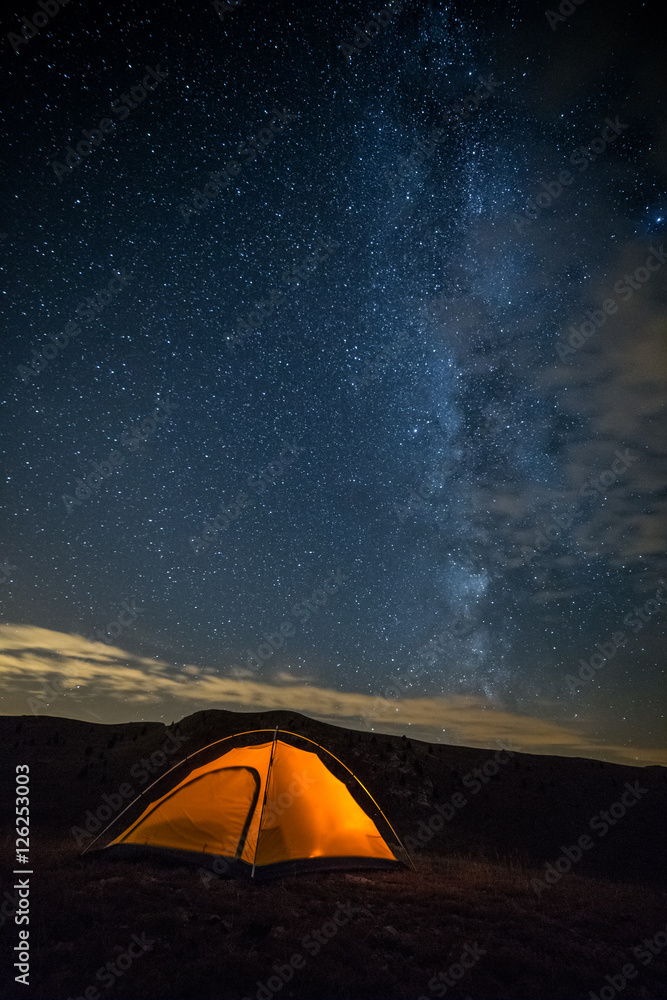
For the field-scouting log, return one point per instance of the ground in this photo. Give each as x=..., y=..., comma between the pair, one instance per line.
x=480, y=915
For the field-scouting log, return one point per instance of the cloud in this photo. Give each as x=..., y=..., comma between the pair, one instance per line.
x=55, y=673
x=284, y=677
x=616, y=383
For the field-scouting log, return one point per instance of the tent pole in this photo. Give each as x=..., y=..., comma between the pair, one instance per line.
x=266, y=792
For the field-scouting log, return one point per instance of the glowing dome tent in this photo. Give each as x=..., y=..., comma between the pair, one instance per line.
x=264, y=810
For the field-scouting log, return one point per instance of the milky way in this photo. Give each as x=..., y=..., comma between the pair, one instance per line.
x=280, y=305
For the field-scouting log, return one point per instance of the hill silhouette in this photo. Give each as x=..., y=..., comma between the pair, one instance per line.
x=487, y=830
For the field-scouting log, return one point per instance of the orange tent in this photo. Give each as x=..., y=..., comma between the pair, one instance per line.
x=268, y=808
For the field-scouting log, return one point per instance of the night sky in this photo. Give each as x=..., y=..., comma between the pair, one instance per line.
x=298, y=339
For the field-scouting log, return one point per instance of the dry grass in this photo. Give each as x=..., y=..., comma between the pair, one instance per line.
x=219, y=940
x=472, y=883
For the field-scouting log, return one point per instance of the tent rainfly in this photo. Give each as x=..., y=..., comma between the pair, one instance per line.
x=262, y=810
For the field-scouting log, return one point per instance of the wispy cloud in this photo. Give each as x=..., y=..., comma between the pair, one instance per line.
x=121, y=687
